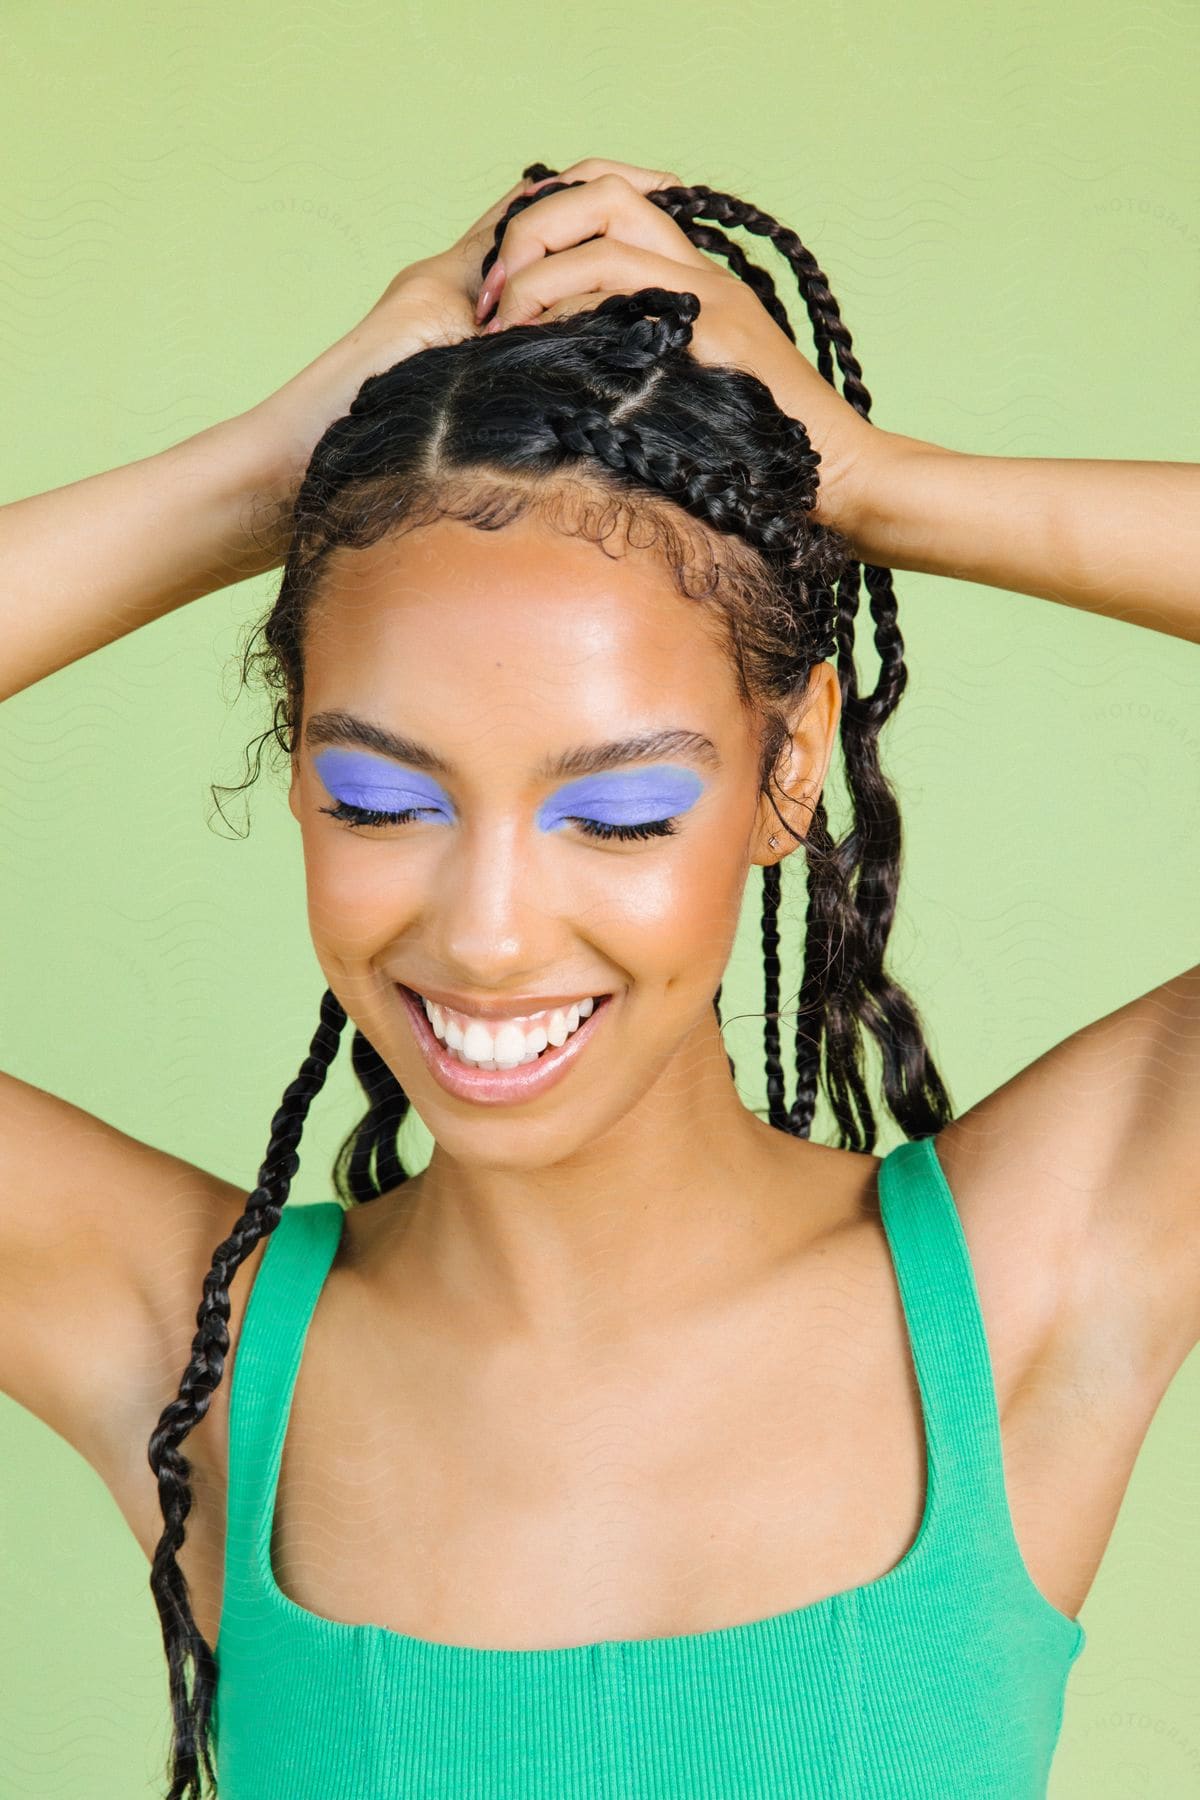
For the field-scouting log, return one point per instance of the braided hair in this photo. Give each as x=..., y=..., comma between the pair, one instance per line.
x=599, y=417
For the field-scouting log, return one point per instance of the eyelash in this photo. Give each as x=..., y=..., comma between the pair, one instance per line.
x=364, y=816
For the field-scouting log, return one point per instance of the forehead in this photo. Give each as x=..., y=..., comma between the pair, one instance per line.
x=525, y=612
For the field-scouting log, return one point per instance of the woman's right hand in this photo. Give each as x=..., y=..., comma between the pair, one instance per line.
x=429, y=302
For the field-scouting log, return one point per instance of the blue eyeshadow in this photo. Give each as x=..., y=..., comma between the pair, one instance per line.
x=375, y=783
x=624, y=797
x=621, y=797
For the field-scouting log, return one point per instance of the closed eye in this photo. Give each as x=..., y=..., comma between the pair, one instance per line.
x=368, y=816
x=599, y=828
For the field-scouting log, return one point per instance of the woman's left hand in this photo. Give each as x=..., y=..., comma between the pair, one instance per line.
x=549, y=269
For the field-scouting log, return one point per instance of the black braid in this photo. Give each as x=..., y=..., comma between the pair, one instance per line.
x=368, y=1163
x=819, y=959
x=776, y=1107
x=182, y=1640
x=480, y=431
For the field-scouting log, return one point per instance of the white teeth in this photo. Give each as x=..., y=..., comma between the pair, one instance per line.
x=477, y=1045
x=510, y=1044
x=558, y=1030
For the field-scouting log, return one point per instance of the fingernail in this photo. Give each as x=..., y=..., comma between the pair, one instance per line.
x=489, y=291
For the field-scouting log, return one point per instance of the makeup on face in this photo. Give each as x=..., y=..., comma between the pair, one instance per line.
x=616, y=797
x=624, y=797
x=377, y=784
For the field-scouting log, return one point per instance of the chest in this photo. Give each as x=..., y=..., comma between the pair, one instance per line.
x=694, y=1487
x=766, y=1462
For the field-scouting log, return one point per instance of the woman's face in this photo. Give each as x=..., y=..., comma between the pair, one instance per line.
x=535, y=870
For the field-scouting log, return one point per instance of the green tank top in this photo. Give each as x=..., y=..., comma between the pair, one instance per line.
x=946, y=1676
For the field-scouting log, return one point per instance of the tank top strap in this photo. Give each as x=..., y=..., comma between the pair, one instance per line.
x=946, y=1332
x=291, y=1274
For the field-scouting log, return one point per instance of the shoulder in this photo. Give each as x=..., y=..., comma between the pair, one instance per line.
x=122, y=1463
x=1078, y=1184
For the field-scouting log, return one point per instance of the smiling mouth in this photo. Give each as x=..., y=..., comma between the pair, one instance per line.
x=536, y=1072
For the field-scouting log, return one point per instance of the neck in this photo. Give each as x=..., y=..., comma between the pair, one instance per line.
x=686, y=1200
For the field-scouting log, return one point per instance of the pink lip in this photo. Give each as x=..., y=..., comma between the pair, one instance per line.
x=499, y=1087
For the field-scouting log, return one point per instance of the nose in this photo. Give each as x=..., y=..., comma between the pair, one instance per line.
x=492, y=918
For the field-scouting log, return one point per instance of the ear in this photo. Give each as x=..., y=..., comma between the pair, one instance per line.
x=799, y=776
x=294, y=790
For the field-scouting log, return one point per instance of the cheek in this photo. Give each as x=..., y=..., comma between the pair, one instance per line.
x=670, y=915
x=354, y=897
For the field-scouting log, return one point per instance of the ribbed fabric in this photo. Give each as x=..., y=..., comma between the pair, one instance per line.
x=944, y=1679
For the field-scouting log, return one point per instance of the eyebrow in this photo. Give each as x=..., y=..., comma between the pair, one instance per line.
x=584, y=759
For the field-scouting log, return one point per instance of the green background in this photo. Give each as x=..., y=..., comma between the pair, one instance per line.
x=1006, y=201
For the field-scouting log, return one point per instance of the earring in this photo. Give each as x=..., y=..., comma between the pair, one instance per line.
x=774, y=842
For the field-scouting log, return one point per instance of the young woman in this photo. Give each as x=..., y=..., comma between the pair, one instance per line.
x=637, y=1445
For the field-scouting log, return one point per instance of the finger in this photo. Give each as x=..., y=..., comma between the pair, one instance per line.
x=609, y=206
x=645, y=180
x=578, y=303
x=469, y=250
x=603, y=265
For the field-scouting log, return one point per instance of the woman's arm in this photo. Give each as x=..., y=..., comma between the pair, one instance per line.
x=1107, y=1122
x=87, y=563
x=84, y=564
x=1119, y=538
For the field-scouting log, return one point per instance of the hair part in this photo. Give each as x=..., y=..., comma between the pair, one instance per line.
x=602, y=425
